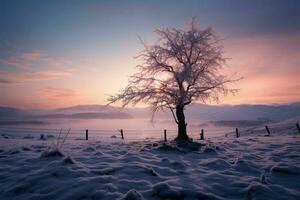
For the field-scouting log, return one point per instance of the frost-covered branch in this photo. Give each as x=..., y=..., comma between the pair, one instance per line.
x=183, y=67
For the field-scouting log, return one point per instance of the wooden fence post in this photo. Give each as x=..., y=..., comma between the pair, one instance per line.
x=268, y=130
x=202, y=134
x=165, y=134
x=86, y=134
x=237, y=132
x=122, y=135
x=298, y=128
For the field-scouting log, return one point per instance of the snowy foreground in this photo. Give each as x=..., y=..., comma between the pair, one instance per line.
x=250, y=167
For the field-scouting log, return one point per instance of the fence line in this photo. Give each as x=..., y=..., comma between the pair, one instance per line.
x=95, y=130
x=130, y=134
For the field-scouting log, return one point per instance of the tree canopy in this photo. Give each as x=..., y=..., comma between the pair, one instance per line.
x=181, y=68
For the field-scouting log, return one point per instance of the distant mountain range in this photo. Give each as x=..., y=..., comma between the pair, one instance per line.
x=244, y=112
x=218, y=114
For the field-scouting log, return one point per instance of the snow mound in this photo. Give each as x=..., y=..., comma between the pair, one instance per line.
x=133, y=195
x=52, y=153
x=164, y=191
x=182, y=147
x=286, y=169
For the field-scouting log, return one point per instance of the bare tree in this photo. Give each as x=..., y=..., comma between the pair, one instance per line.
x=183, y=67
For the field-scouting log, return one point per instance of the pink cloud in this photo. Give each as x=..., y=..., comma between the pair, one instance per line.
x=264, y=55
x=270, y=67
x=47, y=97
x=58, y=93
x=58, y=97
x=22, y=77
x=34, y=59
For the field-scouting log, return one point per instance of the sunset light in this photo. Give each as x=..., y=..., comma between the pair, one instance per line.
x=85, y=52
x=149, y=99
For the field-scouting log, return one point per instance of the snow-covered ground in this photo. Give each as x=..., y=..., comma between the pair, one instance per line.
x=250, y=167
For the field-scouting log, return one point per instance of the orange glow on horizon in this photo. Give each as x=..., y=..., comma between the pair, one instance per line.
x=269, y=66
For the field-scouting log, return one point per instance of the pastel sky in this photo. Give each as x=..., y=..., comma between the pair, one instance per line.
x=63, y=53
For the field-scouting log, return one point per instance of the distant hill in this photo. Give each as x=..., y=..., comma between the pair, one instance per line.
x=85, y=108
x=86, y=115
x=244, y=112
x=12, y=113
x=194, y=112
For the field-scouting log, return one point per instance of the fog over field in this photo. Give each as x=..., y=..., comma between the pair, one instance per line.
x=110, y=118
x=149, y=100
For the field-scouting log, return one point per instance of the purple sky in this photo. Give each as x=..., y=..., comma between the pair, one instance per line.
x=62, y=53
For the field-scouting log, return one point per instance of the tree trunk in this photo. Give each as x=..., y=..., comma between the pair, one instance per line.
x=181, y=123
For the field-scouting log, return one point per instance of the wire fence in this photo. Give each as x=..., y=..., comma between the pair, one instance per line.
x=96, y=134
x=93, y=134
x=131, y=134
